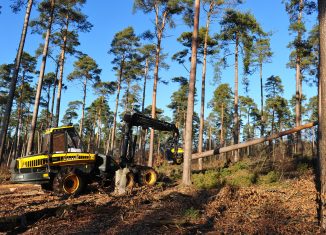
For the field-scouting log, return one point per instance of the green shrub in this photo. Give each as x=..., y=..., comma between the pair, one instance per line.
x=302, y=167
x=240, y=166
x=241, y=178
x=208, y=180
x=271, y=177
x=224, y=172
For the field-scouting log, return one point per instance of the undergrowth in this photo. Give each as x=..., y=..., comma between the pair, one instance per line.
x=191, y=214
x=245, y=173
x=253, y=171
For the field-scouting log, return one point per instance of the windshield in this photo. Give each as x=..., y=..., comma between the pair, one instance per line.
x=73, y=141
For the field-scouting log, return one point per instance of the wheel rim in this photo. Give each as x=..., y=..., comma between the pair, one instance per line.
x=150, y=178
x=71, y=183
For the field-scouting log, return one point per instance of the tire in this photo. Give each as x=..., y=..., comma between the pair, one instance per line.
x=130, y=180
x=179, y=160
x=68, y=183
x=148, y=177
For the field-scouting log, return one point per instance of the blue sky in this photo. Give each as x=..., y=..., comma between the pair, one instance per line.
x=109, y=17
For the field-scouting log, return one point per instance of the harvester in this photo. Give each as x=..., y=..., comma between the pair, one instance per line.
x=65, y=167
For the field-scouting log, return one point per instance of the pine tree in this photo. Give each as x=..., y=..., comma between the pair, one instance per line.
x=86, y=70
x=186, y=174
x=262, y=54
x=322, y=111
x=44, y=8
x=164, y=11
x=13, y=82
x=71, y=112
x=222, y=106
x=297, y=10
x=123, y=48
x=241, y=29
x=70, y=21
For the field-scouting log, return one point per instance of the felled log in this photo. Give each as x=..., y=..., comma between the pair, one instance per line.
x=252, y=142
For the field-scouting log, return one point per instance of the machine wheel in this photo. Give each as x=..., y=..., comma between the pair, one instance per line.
x=148, y=177
x=130, y=180
x=179, y=160
x=68, y=183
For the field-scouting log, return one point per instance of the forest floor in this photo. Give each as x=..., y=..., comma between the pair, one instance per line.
x=286, y=205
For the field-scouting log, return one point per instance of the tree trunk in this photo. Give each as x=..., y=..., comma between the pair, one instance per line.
x=222, y=125
x=81, y=126
x=19, y=114
x=236, y=99
x=100, y=125
x=262, y=125
x=157, y=63
x=322, y=112
x=40, y=81
x=298, y=90
x=144, y=86
x=186, y=176
x=53, y=92
x=203, y=80
x=48, y=107
x=13, y=82
x=159, y=33
x=62, y=62
x=116, y=106
x=127, y=97
x=210, y=138
x=142, y=132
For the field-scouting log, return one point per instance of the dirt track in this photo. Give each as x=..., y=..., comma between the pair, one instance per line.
x=289, y=208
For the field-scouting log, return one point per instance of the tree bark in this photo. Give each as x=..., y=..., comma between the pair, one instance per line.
x=203, y=81
x=262, y=125
x=116, y=106
x=40, y=81
x=298, y=93
x=186, y=176
x=153, y=114
x=48, y=106
x=236, y=98
x=222, y=125
x=53, y=92
x=81, y=126
x=322, y=112
x=13, y=82
x=142, y=132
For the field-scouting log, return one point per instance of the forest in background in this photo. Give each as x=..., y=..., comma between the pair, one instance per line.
x=241, y=43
